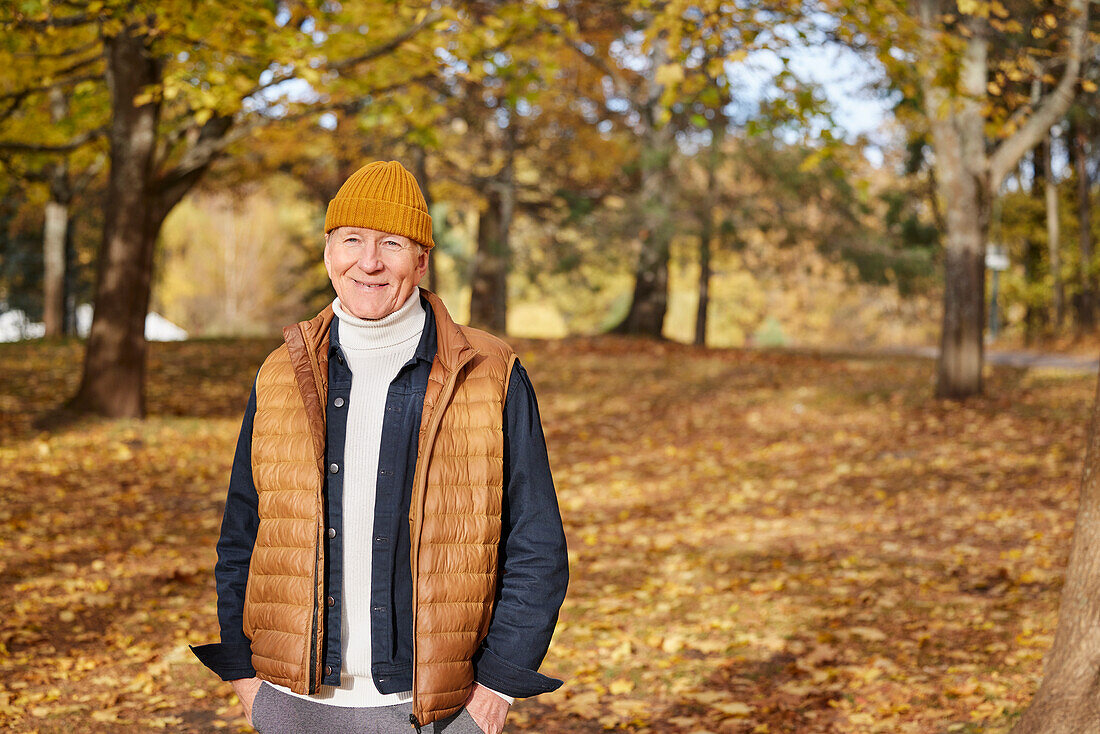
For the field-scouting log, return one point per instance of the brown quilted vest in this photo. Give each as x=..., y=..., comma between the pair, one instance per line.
x=454, y=517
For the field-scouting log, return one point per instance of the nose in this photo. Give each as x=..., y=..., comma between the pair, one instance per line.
x=370, y=259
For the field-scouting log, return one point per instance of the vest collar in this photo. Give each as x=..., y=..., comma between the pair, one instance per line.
x=452, y=350
x=452, y=345
x=314, y=332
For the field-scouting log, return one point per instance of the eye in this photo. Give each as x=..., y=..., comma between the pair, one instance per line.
x=392, y=246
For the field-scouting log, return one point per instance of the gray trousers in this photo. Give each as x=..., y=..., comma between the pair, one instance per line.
x=274, y=712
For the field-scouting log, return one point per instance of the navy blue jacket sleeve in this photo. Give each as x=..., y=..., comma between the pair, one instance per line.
x=533, y=560
x=232, y=657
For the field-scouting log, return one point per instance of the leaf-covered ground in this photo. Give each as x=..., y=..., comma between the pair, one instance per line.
x=759, y=541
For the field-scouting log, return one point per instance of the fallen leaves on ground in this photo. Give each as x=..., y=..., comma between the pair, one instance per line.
x=760, y=541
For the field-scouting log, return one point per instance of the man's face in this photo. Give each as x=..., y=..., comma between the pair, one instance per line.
x=373, y=272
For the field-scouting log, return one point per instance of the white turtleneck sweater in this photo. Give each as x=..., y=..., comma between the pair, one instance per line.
x=375, y=351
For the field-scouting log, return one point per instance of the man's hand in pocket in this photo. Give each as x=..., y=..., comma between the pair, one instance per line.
x=487, y=709
x=246, y=690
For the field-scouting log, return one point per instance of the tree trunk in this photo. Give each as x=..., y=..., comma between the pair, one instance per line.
x=967, y=175
x=114, y=363
x=704, y=283
x=965, y=193
x=1068, y=701
x=1054, y=232
x=55, y=231
x=958, y=137
x=649, y=302
x=959, y=372
x=1086, y=305
x=1035, y=318
x=54, y=235
x=489, y=284
x=420, y=170
x=706, y=230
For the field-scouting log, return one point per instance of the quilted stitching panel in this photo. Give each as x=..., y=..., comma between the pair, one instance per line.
x=281, y=575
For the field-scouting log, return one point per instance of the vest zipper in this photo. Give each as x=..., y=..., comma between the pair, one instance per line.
x=420, y=483
x=315, y=631
x=414, y=722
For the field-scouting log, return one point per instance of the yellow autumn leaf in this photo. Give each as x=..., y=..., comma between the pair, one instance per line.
x=734, y=708
x=620, y=686
x=669, y=74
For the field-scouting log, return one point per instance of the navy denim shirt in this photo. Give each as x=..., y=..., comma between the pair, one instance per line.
x=532, y=558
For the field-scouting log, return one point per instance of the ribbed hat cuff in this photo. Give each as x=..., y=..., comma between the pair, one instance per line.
x=384, y=216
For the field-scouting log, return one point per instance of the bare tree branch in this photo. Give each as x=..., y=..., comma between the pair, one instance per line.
x=387, y=47
x=75, y=51
x=88, y=174
x=1012, y=149
x=77, y=65
x=69, y=21
x=622, y=85
x=77, y=142
x=345, y=64
x=13, y=104
x=219, y=133
x=22, y=173
x=276, y=79
x=60, y=83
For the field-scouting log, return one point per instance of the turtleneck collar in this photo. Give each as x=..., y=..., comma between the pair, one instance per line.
x=400, y=326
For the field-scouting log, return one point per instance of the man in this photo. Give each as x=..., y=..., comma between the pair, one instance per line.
x=391, y=552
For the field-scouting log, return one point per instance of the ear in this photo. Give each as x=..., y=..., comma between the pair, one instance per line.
x=422, y=261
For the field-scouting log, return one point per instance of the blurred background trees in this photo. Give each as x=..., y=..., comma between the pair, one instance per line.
x=663, y=169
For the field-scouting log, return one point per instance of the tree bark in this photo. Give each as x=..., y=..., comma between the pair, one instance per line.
x=958, y=135
x=1054, y=232
x=704, y=282
x=649, y=301
x=420, y=170
x=1068, y=701
x=967, y=177
x=55, y=231
x=1086, y=305
x=961, y=347
x=1035, y=318
x=706, y=229
x=489, y=284
x=114, y=363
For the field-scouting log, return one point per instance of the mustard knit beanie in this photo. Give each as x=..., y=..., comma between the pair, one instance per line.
x=382, y=195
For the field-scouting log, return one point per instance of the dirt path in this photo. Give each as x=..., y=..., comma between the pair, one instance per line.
x=1005, y=357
